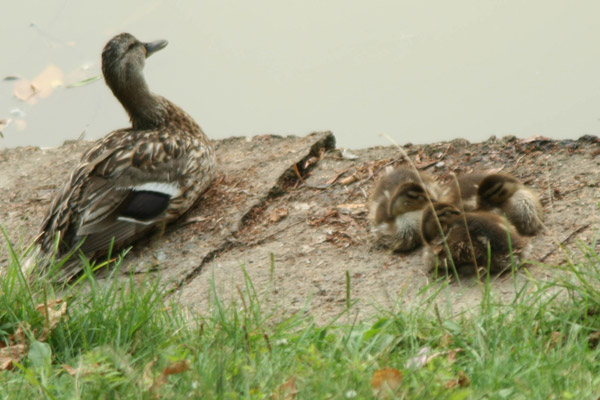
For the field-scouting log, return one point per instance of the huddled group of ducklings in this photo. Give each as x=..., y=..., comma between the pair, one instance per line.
x=476, y=219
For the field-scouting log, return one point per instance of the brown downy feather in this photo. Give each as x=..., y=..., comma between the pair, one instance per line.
x=507, y=195
x=479, y=238
x=462, y=191
x=396, y=205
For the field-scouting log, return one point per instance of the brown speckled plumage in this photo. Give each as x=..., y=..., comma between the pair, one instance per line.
x=462, y=191
x=396, y=205
x=467, y=237
x=133, y=179
x=505, y=194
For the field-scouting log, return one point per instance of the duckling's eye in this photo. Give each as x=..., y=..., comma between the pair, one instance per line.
x=414, y=195
x=494, y=190
x=447, y=213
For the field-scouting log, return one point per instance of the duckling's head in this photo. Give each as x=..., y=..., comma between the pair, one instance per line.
x=436, y=216
x=124, y=56
x=409, y=196
x=497, y=188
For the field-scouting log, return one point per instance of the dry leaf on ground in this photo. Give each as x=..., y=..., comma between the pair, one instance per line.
x=70, y=370
x=349, y=179
x=555, y=339
x=53, y=315
x=12, y=353
x=278, y=214
x=171, y=369
x=176, y=368
x=352, y=208
x=462, y=380
x=311, y=161
x=446, y=340
x=19, y=336
x=286, y=391
x=82, y=370
x=423, y=357
x=386, y=382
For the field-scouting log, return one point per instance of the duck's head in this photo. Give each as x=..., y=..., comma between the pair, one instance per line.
x=409, y=196
x=124, y=56
x=436, y=216
x=497, y=188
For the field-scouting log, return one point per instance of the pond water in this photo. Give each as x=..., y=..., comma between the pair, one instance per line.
x=418, y=71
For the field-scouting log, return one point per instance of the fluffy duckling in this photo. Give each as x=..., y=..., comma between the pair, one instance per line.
x=468, y=237
x=436, y=219
x=507, y=194
x=134, y=179
x=462, y=191
x=396, y=206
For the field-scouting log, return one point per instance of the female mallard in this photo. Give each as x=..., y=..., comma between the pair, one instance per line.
x=133, y=179
x=396, y=206
x=473, y=238
x=507, y=194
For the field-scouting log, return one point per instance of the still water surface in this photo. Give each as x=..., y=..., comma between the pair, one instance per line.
x=418, y=71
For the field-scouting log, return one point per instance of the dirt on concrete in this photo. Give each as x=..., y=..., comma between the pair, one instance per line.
x=291, y=213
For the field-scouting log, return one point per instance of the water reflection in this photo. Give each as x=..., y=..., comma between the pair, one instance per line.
x=417, y=71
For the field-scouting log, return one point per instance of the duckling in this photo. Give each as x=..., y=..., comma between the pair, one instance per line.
x=462, y=191
x=396, y=207
x=134, y=179
x=520, y=204
x=390, y=181
x=436, y=219
x=468, y=237
x=399, y=228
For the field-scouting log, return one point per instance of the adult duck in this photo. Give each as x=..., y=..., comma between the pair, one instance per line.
x=134, y=179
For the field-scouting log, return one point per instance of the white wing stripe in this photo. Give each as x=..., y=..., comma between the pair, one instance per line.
x=171, y=189
x=135, y=221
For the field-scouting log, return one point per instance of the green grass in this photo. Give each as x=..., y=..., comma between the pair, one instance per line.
x=119, y=335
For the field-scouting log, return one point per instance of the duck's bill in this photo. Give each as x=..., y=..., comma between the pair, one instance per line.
x=155, y=46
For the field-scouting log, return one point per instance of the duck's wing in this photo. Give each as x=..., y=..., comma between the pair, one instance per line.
x=118, y=213
x=125, y=185
x=131, y=190
x=109, y=217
